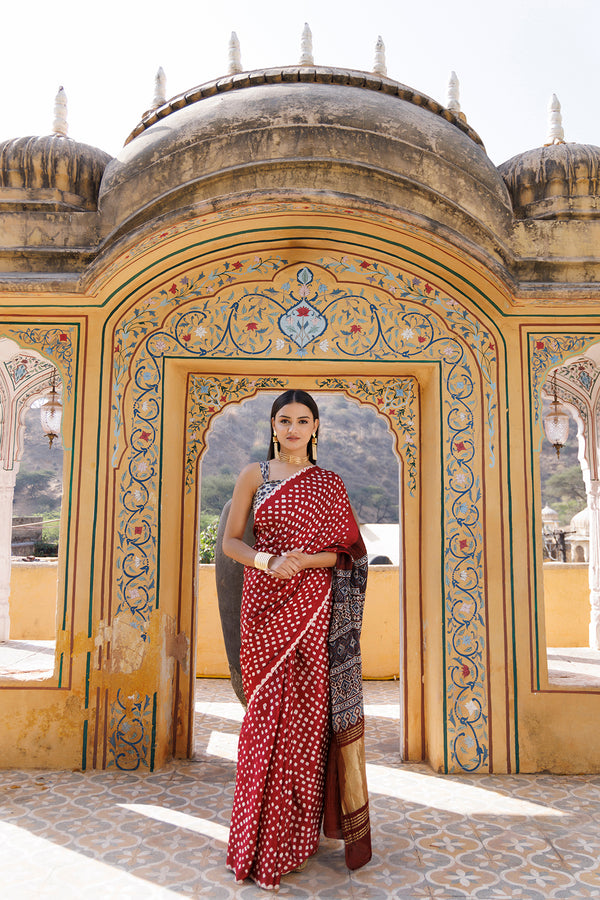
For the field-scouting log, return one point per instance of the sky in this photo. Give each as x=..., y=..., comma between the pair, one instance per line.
x=510, y=57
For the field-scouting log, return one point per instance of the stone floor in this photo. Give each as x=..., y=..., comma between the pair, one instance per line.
x=27, y=660
x=570, y=666
x=163, y=834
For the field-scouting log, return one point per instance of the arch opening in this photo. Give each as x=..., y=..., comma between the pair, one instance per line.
x=358, y=444
x=570, y=486
x=32, y=474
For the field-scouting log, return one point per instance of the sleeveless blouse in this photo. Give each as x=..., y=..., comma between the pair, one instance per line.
x=267, y=487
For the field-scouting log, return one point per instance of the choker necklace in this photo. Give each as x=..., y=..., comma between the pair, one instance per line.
x=295, y=460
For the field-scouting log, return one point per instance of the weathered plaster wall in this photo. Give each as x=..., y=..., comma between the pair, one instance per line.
x=189, y=319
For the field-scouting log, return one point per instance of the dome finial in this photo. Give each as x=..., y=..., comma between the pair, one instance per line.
x=306, y=47
x=379, y=67
x=160, y=88
x=235, y=56
x=454, y=93
x=556, y=134
x=453, y=103
x=60, y=125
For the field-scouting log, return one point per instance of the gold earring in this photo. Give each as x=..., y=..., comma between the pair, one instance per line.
x=275, y=445
x=314, y=446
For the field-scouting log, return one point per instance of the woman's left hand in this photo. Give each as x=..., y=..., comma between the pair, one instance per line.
x=283, y=567
x=293, y=561
x=299, y=558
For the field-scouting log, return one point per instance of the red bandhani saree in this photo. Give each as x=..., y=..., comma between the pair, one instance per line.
x=299, y=646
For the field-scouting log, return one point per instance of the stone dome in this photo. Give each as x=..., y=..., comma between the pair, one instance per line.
x=52, y=172
x=549, y=517
x=300, y=132
x=557, y=181
x=580, y=523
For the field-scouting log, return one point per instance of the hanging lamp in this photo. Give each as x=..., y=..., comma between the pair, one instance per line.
x=51, y=412
x=556, y=422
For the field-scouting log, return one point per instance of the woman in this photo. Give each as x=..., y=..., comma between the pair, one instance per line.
x=308, y=560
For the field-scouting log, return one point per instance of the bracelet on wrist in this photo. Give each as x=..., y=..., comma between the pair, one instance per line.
x=262, y=560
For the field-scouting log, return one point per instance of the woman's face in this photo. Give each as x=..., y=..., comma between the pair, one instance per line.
x=294, y=425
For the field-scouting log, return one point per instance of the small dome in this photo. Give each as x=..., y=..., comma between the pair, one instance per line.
x=580, y=523
x=52, y=172
x=549, y=516
x=304, y=131
x=554, y=182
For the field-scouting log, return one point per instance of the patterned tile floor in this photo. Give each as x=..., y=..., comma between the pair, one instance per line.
x=163, y=834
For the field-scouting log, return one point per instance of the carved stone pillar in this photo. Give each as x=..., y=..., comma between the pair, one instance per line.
x=7, y=489
x=594, y=566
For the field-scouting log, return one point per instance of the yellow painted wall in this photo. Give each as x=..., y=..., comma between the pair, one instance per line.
x=32, y=603
x=380, y=637
x=566, y=604
x=33, y=617
x=114, y=674
x=211, y=659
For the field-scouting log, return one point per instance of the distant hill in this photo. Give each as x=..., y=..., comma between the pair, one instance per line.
x=561, y=478
x=353, y=441
x=38, y=488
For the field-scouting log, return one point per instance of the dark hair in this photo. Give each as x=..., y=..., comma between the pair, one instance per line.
x=293, y=396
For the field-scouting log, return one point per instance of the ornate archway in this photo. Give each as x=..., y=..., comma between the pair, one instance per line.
x=563, y=356
x=216, y=334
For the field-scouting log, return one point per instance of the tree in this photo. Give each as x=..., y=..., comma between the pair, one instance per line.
x=216, y=491
x=37, y=493
x=565, y=492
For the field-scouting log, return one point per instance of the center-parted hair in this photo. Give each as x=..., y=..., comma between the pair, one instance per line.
x=293, y=396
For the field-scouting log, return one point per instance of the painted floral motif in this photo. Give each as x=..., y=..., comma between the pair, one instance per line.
x=395, y=399
x=55, y=343
x=395, y=327
x=235, y=325
x=303, y=323
x=130, y=730
x=22, y=367
x=207, y=397
x=255, y=321
x=234, y=310
x=583, y=373
x=547, y=351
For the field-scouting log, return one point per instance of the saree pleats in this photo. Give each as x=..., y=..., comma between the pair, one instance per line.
x=281, y=763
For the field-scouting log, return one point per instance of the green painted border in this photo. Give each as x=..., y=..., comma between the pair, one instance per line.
x=508, y=479
x=529, y=332
x=160, y=483
x=443, y=575
x=87, y=679
x=84, y=746
x=66, y=507
x=445, y=246
x=75, y=398
x=153, y=738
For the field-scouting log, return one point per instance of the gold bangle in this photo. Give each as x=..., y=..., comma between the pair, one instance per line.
x=262, y=560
